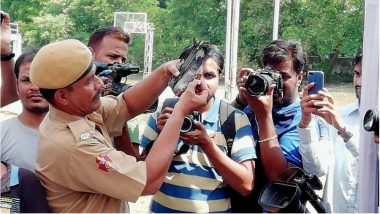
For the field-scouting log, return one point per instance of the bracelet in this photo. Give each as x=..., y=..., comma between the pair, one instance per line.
x=346, y=134
x=267, y=139
x=7, y=57
x=239, y=102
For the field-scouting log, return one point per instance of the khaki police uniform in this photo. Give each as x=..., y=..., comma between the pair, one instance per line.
x=78, y=166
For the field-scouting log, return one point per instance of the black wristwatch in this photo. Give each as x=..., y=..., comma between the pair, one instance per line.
x=7, y=57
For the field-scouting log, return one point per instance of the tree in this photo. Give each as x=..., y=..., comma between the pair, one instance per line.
x=327, y=28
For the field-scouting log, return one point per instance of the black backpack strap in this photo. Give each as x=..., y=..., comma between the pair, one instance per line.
x=169, y=102
x=227, y=121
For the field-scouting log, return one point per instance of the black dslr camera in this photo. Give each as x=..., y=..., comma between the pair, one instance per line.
x=290, y=192
x=115, y=72
x=259, y=81
x=188, y=123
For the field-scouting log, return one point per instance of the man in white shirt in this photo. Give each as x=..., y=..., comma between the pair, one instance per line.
x=329, y=146
x=19, y=134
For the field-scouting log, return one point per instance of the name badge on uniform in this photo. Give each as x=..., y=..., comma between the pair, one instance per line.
x=85, y=136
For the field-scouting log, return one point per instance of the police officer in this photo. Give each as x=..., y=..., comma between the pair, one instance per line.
x=77, y=164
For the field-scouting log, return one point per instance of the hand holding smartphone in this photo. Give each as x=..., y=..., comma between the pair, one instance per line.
x=319, y=81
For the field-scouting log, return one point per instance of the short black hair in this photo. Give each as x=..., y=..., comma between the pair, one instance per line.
x=358, y=59
x=211, y=51
x=98, y=35
x=25, y=57
x=283, y=50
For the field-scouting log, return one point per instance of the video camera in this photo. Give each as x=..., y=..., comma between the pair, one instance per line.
x=259, y=81
x=115, y=72
x=290, y=192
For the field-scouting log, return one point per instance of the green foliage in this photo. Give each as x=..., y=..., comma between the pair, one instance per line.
x=327, y=28
x=47, y=28
x=255, y=30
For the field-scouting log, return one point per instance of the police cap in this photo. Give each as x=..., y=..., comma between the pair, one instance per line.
x=59, y=64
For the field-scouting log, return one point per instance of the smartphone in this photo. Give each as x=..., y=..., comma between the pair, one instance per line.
x=318, y=78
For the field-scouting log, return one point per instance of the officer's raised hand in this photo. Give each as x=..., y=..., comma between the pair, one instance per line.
x=169, y=69
x=193, y=98
x=148, y=89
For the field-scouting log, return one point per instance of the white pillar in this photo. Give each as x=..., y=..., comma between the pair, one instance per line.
x=276, y=17
x=232, y=34
x=368, y=183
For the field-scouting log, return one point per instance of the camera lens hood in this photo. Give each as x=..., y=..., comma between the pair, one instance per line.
x=187, y=124
x=256, y=85
x=371, y=121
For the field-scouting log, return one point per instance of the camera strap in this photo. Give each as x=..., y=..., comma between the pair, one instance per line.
x=227, y=122
x=170, y=102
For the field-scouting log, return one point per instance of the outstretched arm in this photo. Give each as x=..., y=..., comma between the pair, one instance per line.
x=160, y=156
x=143, y=94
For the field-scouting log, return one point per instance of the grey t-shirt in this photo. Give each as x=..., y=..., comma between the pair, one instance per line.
x=18, y=144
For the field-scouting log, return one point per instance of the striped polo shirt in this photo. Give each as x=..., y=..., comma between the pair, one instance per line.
x=193, y=183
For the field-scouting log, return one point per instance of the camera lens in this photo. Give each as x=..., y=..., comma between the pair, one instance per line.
x=256, y=85
x=371, y=121
x=187, y=124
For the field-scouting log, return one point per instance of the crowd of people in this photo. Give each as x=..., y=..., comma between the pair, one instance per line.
x=75, y=149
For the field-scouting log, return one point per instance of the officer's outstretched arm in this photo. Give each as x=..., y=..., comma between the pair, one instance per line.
x=160, y=156
x=143, y=94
